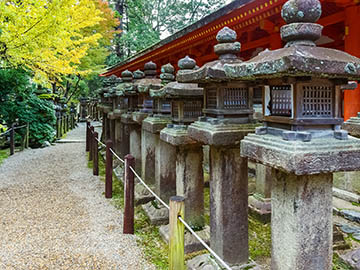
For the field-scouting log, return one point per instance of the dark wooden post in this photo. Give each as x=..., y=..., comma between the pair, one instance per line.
x=176, y=238
x=96, y=154
x=129, y=195
x=27, y=135
x=87, y=135
x=109, y=170
x=57, y=128
x=12, y=139
x=91, y=142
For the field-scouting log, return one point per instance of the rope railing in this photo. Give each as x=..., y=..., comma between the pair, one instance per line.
x=25, y=139
x=129, y=193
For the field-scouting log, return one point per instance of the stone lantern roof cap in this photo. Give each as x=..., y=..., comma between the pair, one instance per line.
x=127, y=76
x=300, y=57
x=227, y=50
x=138, y=74
x=166, y=76
x=179, y=90
x=150, y=69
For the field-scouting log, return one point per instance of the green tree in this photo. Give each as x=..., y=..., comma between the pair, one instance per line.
x=142, y=22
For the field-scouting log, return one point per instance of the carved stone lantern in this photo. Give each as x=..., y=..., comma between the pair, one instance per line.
x=301, y=138
x=182, y=157
x=127, y=90
x=228, y=118
x=151, y=154
x=145, y=84
x=162, y=106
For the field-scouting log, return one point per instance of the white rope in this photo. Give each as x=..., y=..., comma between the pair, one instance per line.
x=112, y=151
x=204, y=244
x=149, y=189
x=5, y=132
x=100, y=142
x=20, y=127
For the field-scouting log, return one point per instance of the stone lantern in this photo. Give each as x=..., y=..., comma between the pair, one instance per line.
x=143, y=87
x=129, y=97
x=153, y=170
x=161, y=105
x=228, y=118
x=145, y=84
x=182, y=157
x=107, y=96
x=301, y=138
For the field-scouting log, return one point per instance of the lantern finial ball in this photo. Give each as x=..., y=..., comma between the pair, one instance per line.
x=297, y=11
x=187, y=63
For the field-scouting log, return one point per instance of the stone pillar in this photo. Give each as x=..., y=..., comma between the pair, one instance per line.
x=125, y=135
x=112, y=129
x=260, y=202
x=301, y=221
x=118, y=135
x=190, y=182
x=229, y=204
x=135, y=146
x=149, y=142
x=165, y=170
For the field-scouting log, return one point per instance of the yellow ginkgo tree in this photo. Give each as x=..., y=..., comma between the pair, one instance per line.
x=49, y=37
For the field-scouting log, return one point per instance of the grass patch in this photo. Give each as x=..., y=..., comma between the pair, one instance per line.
x=259, y=239
x=4, y=153
x=338, y=264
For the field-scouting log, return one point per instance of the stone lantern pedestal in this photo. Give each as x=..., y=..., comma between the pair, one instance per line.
x=188, y=156
x=228, y=186
x=260, y=201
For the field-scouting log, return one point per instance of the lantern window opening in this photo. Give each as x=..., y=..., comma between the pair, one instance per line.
x=236, y=98
x=211, y=98
x=279, y=100
x=318, y=101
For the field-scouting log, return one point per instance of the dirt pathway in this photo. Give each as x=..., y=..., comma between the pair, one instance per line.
x=53, y=214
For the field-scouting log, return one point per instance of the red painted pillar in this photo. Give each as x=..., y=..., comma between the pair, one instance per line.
x=352, y=46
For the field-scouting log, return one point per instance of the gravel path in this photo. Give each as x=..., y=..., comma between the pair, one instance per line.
x=53, y=214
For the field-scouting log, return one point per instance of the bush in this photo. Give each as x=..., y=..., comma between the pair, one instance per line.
x=18, y=101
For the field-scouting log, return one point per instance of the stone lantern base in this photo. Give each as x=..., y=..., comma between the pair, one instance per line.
x=150, y=140
x=189, y=179
x=301, y=217
x=228, y=186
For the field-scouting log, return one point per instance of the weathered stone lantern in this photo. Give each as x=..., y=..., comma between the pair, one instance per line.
x=106, y=107
x=145, y=84
x=181, y=156
x=228, y=118
x=129, y=96
x=143, y=87
x=153, y=169
x=161, y=105
x=301, y=138
x=83, y=110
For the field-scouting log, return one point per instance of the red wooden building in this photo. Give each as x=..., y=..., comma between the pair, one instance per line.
x=257, y=23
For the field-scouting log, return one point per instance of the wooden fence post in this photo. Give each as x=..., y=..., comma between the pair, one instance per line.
x=96, y=154
x=109, y=170
x=87, y=135
x=27, y=135
x=176, y=238
x=12, y=139
x=91, y=142
x=129, y=195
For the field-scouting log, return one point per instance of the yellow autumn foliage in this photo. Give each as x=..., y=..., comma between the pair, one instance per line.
x=49, y=37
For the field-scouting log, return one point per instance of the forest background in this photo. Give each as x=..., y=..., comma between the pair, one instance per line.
x=51, y=50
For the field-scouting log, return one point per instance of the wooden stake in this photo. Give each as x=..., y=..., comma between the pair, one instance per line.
x=129, y=195
x=109, y=170
x=12, y=139
x=176, y=243
x=27, y=135
x=91, y=142
x=96, y=154
x=87, y=135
